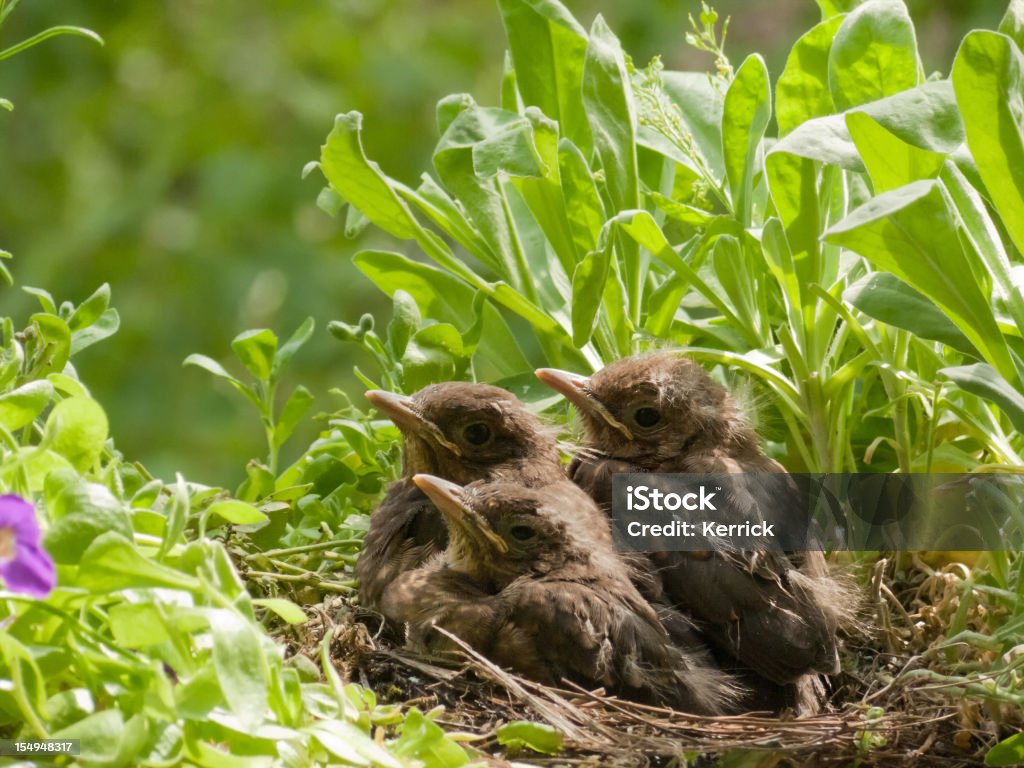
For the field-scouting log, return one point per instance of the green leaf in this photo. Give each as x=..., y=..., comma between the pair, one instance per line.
x=540, y=737
x=104, y=326
x=112, y=563
x=295, y=407
x=43, y=296
x=887, y=298
x=241, y=667
x=137, y=625
x=701, y=103
x=890, y=161
x=90, y=309
x=802, y=91
x=608, y=100
x=80, y=512
x=583, y=207
x=587, y=283
x=237, y=512
x=46, y=34
x=988, y=76
x=99, y=735
x=748, y=107
x=1009, y=751
x=212, y=366
x=874, y=54
x=427, y=742
x=57, y=335
x=294, y=343
x=1012, y=24
x=911, y=232
x=286, y=609
x=446, y=298
x=405, y=321
x=434, y=353
x=77, y=428
x=548, y=46
x=256, y=350
x=20, y=406
x=830, y=8
x=982, y=380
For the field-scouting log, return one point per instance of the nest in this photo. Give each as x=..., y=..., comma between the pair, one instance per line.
x=880, y=712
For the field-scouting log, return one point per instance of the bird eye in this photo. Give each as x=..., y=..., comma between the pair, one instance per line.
x=521, y=532
x=476, y=433
x=647, y=416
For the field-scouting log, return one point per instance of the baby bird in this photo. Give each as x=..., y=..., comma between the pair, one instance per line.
x=777, y=613
x=461, y=432
x=525, y=582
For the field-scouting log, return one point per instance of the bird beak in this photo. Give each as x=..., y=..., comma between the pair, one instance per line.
x=576, y=389
x=401, y=410
x=449, y=498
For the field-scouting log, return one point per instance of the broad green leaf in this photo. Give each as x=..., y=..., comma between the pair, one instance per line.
x=295, y=407
x=982, y=380
x=80, y=512
x=911, y=233
x=802, y=91
x=988, y=76
x=294, y=343
x=241, y=667
x=540, y=737
x=405, y=321
x=102, y=327
x=1009, y=751
x=57, y=335
x=99, y=736
x=874, y=54
x=584, y=209
x=1012, y=26
x=77, y=428
x=793, y=184
x=237, y=512
x=748, y=107
x=90, y=310
x=286, y=609
x=889, y=160
x=112, y=563
x=608, y=99
x=43, y=297
x=137, y=625
x=256, y=350
x=426, y=741
x=20, y=406
x=548, y=46
x=446, y=298
x=885, y=297
x=440, y=208
x=434, y=353
x=830, y=8
x=346, y=741
x=587, y=285
x=361, y=182
x=736, y=278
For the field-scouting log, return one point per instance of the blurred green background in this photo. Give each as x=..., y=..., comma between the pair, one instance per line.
x=168, y=164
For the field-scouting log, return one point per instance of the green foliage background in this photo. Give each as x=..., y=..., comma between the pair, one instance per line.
x=168, y=164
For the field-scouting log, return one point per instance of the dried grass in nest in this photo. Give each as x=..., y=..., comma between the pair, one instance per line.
x=868, y=723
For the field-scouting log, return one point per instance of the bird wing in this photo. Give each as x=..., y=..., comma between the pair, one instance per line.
x=436, y=596
x=406, y=530
x=767, y=607
x=602, y=636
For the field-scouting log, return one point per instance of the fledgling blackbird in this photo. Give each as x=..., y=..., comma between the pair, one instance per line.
x=525, y=583
x=776, y=612
x=461, y=432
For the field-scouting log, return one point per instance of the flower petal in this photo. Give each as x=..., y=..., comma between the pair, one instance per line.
x=18, y=514
x=31, y=572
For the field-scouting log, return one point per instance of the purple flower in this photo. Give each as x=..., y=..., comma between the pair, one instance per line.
x=24, y=565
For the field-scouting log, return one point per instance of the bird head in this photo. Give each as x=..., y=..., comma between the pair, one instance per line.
x=501, y=531
x=647, y=408
x=463, y=431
